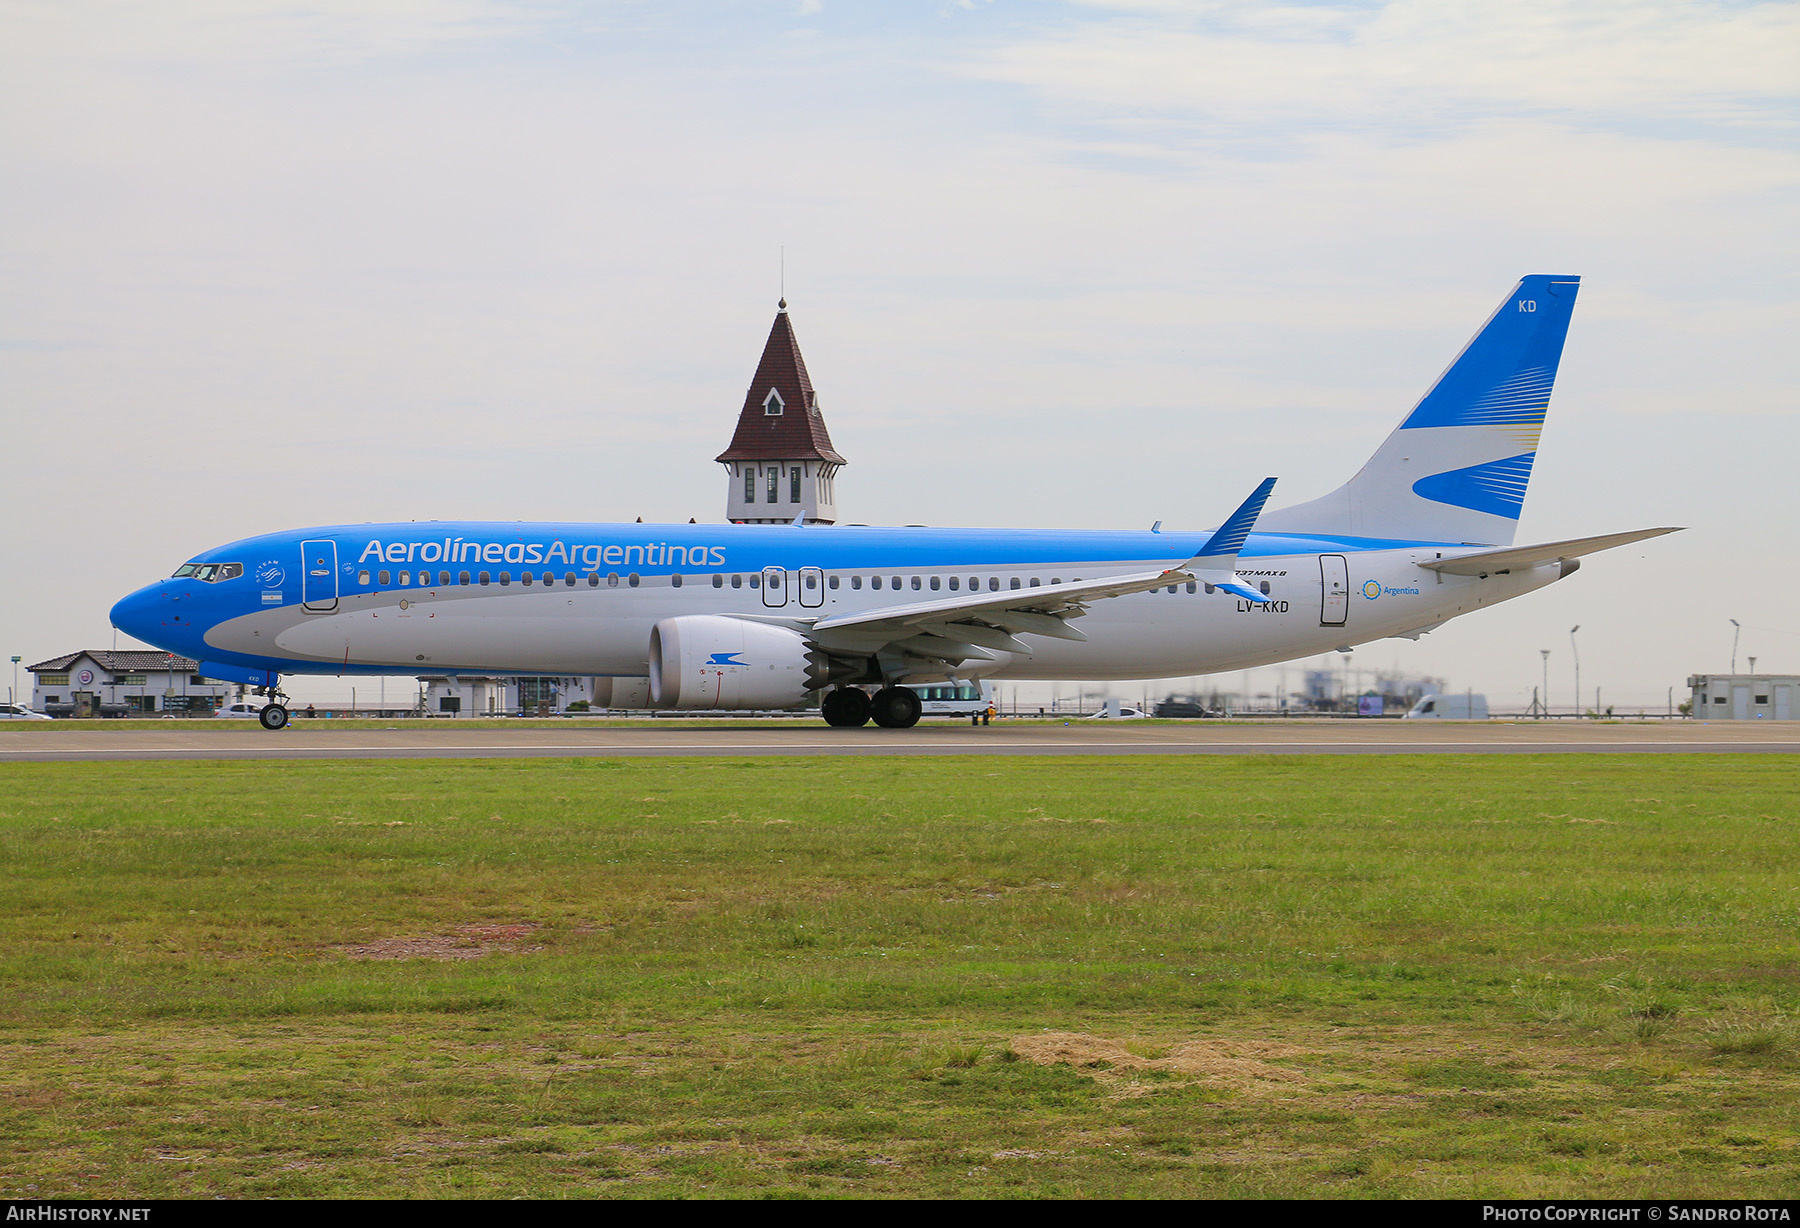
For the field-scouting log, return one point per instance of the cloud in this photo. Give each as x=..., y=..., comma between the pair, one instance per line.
x=1417, y=67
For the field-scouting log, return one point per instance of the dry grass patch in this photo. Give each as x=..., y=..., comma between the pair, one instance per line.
x=1238, y=1065
x=464, y=942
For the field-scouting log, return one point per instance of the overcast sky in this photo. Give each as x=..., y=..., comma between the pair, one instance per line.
x=269, y=265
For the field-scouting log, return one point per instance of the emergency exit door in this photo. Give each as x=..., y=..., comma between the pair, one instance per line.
x=774, y=587
x=318, y=577
x=1334, y=590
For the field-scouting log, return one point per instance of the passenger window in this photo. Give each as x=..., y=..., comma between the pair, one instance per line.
x=482, y=578
x=1264, y=586
x=444, y=579
x=362, y=577
x=955, y=583
x=1174, y=588
x=524, y=578
x=993, y=584
x=675, y=580
x=832, y=582
x=1210, y=589
x=463, y=578
x=1191, y=586
x=1034, y=582
x=568, y=579
x=1015, y=582
x=915, y=584
x=632, y=579
x=612, y=579
x=894, y=582
x=505, y=578
x=406, y=578
x=934, y=584
x=812, y=581
x=874, y=581
x=593, y=579
x=737, y=582
x=384, y=578
x=1056, y=579
x=756, y=581
x=855, y=581
x=718, y=581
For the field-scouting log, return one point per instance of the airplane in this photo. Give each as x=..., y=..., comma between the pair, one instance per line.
x=757, y=617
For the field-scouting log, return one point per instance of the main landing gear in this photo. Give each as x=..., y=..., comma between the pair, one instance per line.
x=892, y=707
x=274, y=714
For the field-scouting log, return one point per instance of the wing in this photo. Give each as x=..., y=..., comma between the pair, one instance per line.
x=961, y=628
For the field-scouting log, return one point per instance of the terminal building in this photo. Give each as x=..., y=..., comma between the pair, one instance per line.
x=94, y=683
x=1744, y=697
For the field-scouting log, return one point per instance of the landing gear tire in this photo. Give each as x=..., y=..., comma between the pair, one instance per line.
x=846, y=708
x=895, y=707
x=273, y=716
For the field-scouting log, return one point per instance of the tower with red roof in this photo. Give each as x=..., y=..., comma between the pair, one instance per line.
x=781, y=462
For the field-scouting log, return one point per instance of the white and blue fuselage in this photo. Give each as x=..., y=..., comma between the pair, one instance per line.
x=478, y=598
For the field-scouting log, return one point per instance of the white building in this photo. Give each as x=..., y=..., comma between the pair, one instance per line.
x=103, y=683
x=470, y=695
x=1745, y=697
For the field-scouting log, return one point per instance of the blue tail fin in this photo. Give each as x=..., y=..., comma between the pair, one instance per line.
x=1456, y=469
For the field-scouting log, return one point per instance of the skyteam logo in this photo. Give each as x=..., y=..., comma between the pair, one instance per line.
x=270, y=574
x=726, y=658
x=1372, y=589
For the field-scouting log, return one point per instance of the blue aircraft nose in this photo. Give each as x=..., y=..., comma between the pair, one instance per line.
x=143, y=615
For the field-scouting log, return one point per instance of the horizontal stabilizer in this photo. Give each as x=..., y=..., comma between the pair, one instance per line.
x=1488, y=562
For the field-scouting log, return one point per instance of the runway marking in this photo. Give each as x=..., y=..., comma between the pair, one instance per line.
x=995, y=747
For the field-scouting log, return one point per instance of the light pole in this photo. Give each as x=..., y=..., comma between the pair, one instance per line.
x=1544, y=710
x=11, y=696
x=1576, y=649
x=1735, y=632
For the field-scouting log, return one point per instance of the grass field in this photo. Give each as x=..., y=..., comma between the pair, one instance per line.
x=1332, y=976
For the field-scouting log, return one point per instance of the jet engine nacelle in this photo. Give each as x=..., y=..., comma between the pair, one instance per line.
x=705, y=661
x=621, y=692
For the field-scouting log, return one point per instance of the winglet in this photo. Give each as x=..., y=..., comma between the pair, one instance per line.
x=1221, y=549
x=1216, y=564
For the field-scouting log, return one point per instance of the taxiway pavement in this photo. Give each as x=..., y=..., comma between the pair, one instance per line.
x=571, y=739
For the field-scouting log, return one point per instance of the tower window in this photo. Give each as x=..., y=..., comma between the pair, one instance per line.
x=774, y=484
x=773, y=404
x=749, y=483
x=794, y=484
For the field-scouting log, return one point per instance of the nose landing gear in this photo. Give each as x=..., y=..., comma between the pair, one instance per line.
x=274, y=714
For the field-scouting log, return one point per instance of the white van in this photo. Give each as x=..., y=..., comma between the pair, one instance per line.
x=1449, y=708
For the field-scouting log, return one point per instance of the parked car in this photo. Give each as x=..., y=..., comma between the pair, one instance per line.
x=19, y=712
x=240, y=711
x=1450, y=708
x=1180, y=708
x=1123, y=714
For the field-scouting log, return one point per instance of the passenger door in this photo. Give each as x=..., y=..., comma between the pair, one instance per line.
x=812, y=587
x=318, y=577
x=1334, y=590
x=774, y=587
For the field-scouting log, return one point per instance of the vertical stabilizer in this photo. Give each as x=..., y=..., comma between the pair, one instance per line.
x=1456, y=469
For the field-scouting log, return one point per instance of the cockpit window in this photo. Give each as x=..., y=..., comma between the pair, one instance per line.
x=210, y=573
